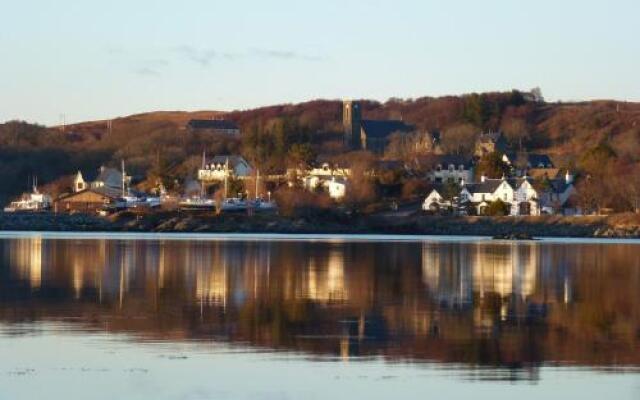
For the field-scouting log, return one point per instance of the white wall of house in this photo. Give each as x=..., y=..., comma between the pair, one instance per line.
x=434, y=201
x=523, y=200
x=451, y=173
x=79, y=183
x=526, y=200
x=503, y=192
x=218, y=172
x=321, y=176
x=337, y=189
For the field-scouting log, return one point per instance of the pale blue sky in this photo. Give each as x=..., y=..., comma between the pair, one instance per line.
x=95, y=60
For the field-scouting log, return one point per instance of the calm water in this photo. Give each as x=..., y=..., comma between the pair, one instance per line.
x=146, y=317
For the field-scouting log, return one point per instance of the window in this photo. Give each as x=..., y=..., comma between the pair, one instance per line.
x=505, y=197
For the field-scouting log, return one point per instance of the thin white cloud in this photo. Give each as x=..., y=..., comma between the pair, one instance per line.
x=285, y=55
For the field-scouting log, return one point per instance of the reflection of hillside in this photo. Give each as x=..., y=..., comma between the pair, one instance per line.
x=473, y=303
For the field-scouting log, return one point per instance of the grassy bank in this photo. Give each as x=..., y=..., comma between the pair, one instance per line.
x=622, y=225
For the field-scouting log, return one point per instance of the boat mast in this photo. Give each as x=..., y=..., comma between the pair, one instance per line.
x=226, y=175
x=257, y=180
x=204, y=156
x=123, y=179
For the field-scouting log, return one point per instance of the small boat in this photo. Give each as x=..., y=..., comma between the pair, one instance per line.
x=234, y=204
x=141, y=202
x=33, y=202
x=262, y=205
x=197, y=204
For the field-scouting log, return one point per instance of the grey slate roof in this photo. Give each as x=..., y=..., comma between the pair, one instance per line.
x=533, y=160
x=388, y=165
x=110, y=192
x=90, y=175
x=538, y=160
x=455, y=159
x=211, y=124
x=222, y=159
x=109, y=176
x=488, y=186
x=559, y=185
x=383, y=128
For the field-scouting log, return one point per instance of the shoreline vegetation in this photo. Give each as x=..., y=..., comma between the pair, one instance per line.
x=613, y=226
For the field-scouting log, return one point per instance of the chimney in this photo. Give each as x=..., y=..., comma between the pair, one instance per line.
x=568, y=177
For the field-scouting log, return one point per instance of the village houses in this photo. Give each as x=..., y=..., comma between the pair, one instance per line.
x=93, y=191
x=320, y=176
x=221, y=167
x=450, y=168
x=521, y=196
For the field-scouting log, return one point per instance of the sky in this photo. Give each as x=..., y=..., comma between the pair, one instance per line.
x=86, y=59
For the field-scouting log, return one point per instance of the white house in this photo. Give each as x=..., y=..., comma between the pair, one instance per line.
x=338, y=188
x=527, y=199
x=480, y=194
x=519, y=195
x=109, y=178
x=448, y=168
x=530, y=164
x=434, y=202
x=524, y=196
x=221, y=167
x=320, y=176
x=555, y=194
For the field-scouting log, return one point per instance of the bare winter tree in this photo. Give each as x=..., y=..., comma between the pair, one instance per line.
x=516, y=131
x=459, y=139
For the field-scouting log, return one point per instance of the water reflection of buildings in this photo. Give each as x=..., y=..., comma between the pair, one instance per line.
x=497, y=281
x=26, y=257
x=323, y=279
x=453, y=273
x=400, y=299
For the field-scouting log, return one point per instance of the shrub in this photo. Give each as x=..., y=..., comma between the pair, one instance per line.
x=497, y=208
x=298, y=203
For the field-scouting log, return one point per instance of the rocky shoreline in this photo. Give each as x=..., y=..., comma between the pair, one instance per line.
x=548, y=226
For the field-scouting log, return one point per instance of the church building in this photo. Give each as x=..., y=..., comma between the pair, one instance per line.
x=370, y=135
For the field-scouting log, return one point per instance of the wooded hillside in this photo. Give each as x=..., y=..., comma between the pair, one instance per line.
x=589, y=136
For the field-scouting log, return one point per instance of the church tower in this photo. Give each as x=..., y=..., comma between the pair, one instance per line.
x=351, y=118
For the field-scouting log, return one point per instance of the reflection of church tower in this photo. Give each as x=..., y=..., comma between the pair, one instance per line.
x=351, y=118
